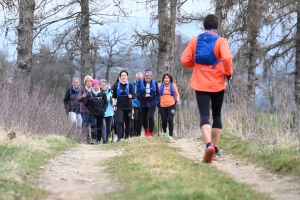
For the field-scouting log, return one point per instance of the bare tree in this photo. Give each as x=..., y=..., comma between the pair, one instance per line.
x=166, y=35
x=297, y=71
x=85, y=38
x=112, y=49
x=25, y=35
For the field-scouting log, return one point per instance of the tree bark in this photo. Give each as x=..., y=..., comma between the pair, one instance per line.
x=25, y=36
x=254, y=25
x=166, y=35
x=297, y=72
x=85, y=38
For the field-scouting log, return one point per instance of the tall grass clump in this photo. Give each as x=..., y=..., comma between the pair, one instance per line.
x=265, y=136
x=32, y=110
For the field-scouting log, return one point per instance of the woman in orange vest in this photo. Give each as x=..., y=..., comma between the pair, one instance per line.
x=211, y=59
x=169, y=98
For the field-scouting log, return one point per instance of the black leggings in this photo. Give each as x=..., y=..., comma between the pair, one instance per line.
x=148, y=115
x=203, y=101
x=108, y=122
x=167, y=117
x=137, y=122
x=121, y=117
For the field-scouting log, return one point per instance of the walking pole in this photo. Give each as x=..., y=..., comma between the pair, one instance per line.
x=158, y=122
x=232, y=100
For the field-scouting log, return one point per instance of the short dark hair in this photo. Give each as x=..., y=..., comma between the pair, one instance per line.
x=169, y=75
x=211, y=21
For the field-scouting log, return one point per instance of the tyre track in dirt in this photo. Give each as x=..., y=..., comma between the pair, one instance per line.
x=77, y=174
x=278, y=187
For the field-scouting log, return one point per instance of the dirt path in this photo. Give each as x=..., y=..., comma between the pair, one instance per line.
x=277, y=187
x=77, y=174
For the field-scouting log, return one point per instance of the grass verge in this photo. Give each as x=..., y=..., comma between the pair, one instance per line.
x=283, y=159
x=20, y=160
x=151, y=169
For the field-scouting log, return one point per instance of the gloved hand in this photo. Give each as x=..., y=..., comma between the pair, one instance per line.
x=228, y=77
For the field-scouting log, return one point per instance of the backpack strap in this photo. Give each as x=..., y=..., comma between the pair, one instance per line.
x=162, y=89
x=119, y=89
x=152, y=86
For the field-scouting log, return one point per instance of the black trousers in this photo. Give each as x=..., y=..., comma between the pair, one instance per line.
x=137, y=130
x=121, y=117
x=167, y=117
x=148, y=117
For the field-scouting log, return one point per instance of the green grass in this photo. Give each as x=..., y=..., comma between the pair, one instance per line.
x=284, y=159
x=150, y=169
x=21, y=160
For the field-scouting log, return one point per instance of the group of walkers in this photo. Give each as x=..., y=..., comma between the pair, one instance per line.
x=209, y=56
x=94, y=106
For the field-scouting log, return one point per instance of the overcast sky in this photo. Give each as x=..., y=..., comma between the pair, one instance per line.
x=140, y=17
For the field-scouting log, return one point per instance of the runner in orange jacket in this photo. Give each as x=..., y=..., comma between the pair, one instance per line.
x=208, y=81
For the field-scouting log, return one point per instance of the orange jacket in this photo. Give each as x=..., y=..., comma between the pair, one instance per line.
x=167, y=100
x=204, y=78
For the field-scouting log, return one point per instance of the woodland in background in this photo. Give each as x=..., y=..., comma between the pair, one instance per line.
x=264, y=37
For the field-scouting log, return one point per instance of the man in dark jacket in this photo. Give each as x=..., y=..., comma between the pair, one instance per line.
x=72, y=106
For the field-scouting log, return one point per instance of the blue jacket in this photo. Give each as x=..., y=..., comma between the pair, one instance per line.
x=135, y=101
x=153, y=100
x=110, y=109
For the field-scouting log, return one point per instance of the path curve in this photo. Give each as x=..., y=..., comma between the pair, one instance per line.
x=278, y=187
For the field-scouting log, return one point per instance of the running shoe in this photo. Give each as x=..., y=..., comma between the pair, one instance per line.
x=209, y=154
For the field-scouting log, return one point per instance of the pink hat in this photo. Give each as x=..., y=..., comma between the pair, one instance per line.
x=95, y=82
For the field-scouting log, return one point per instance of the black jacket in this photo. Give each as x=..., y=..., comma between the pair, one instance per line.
x=70, y=100
x=96, y=104
x=123, y=102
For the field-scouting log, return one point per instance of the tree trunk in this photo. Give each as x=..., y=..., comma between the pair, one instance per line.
x=254, y=24
x=25, y=36
x=297, y=72
x=85, y=38
x=93, y=61
x=219, y=9
x=108, y=66
x=166, y=35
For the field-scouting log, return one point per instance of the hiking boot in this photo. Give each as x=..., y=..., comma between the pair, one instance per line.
x=94, y=141
x=146, y=132
x=150, y=135
x=110, y=137
x=166, y=135
x=217, y=156
x=209, y=154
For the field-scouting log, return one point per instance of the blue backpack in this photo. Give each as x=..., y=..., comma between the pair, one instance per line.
x=153, y=86
x=205, y=49
x=119, y=90
x=162, y=88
